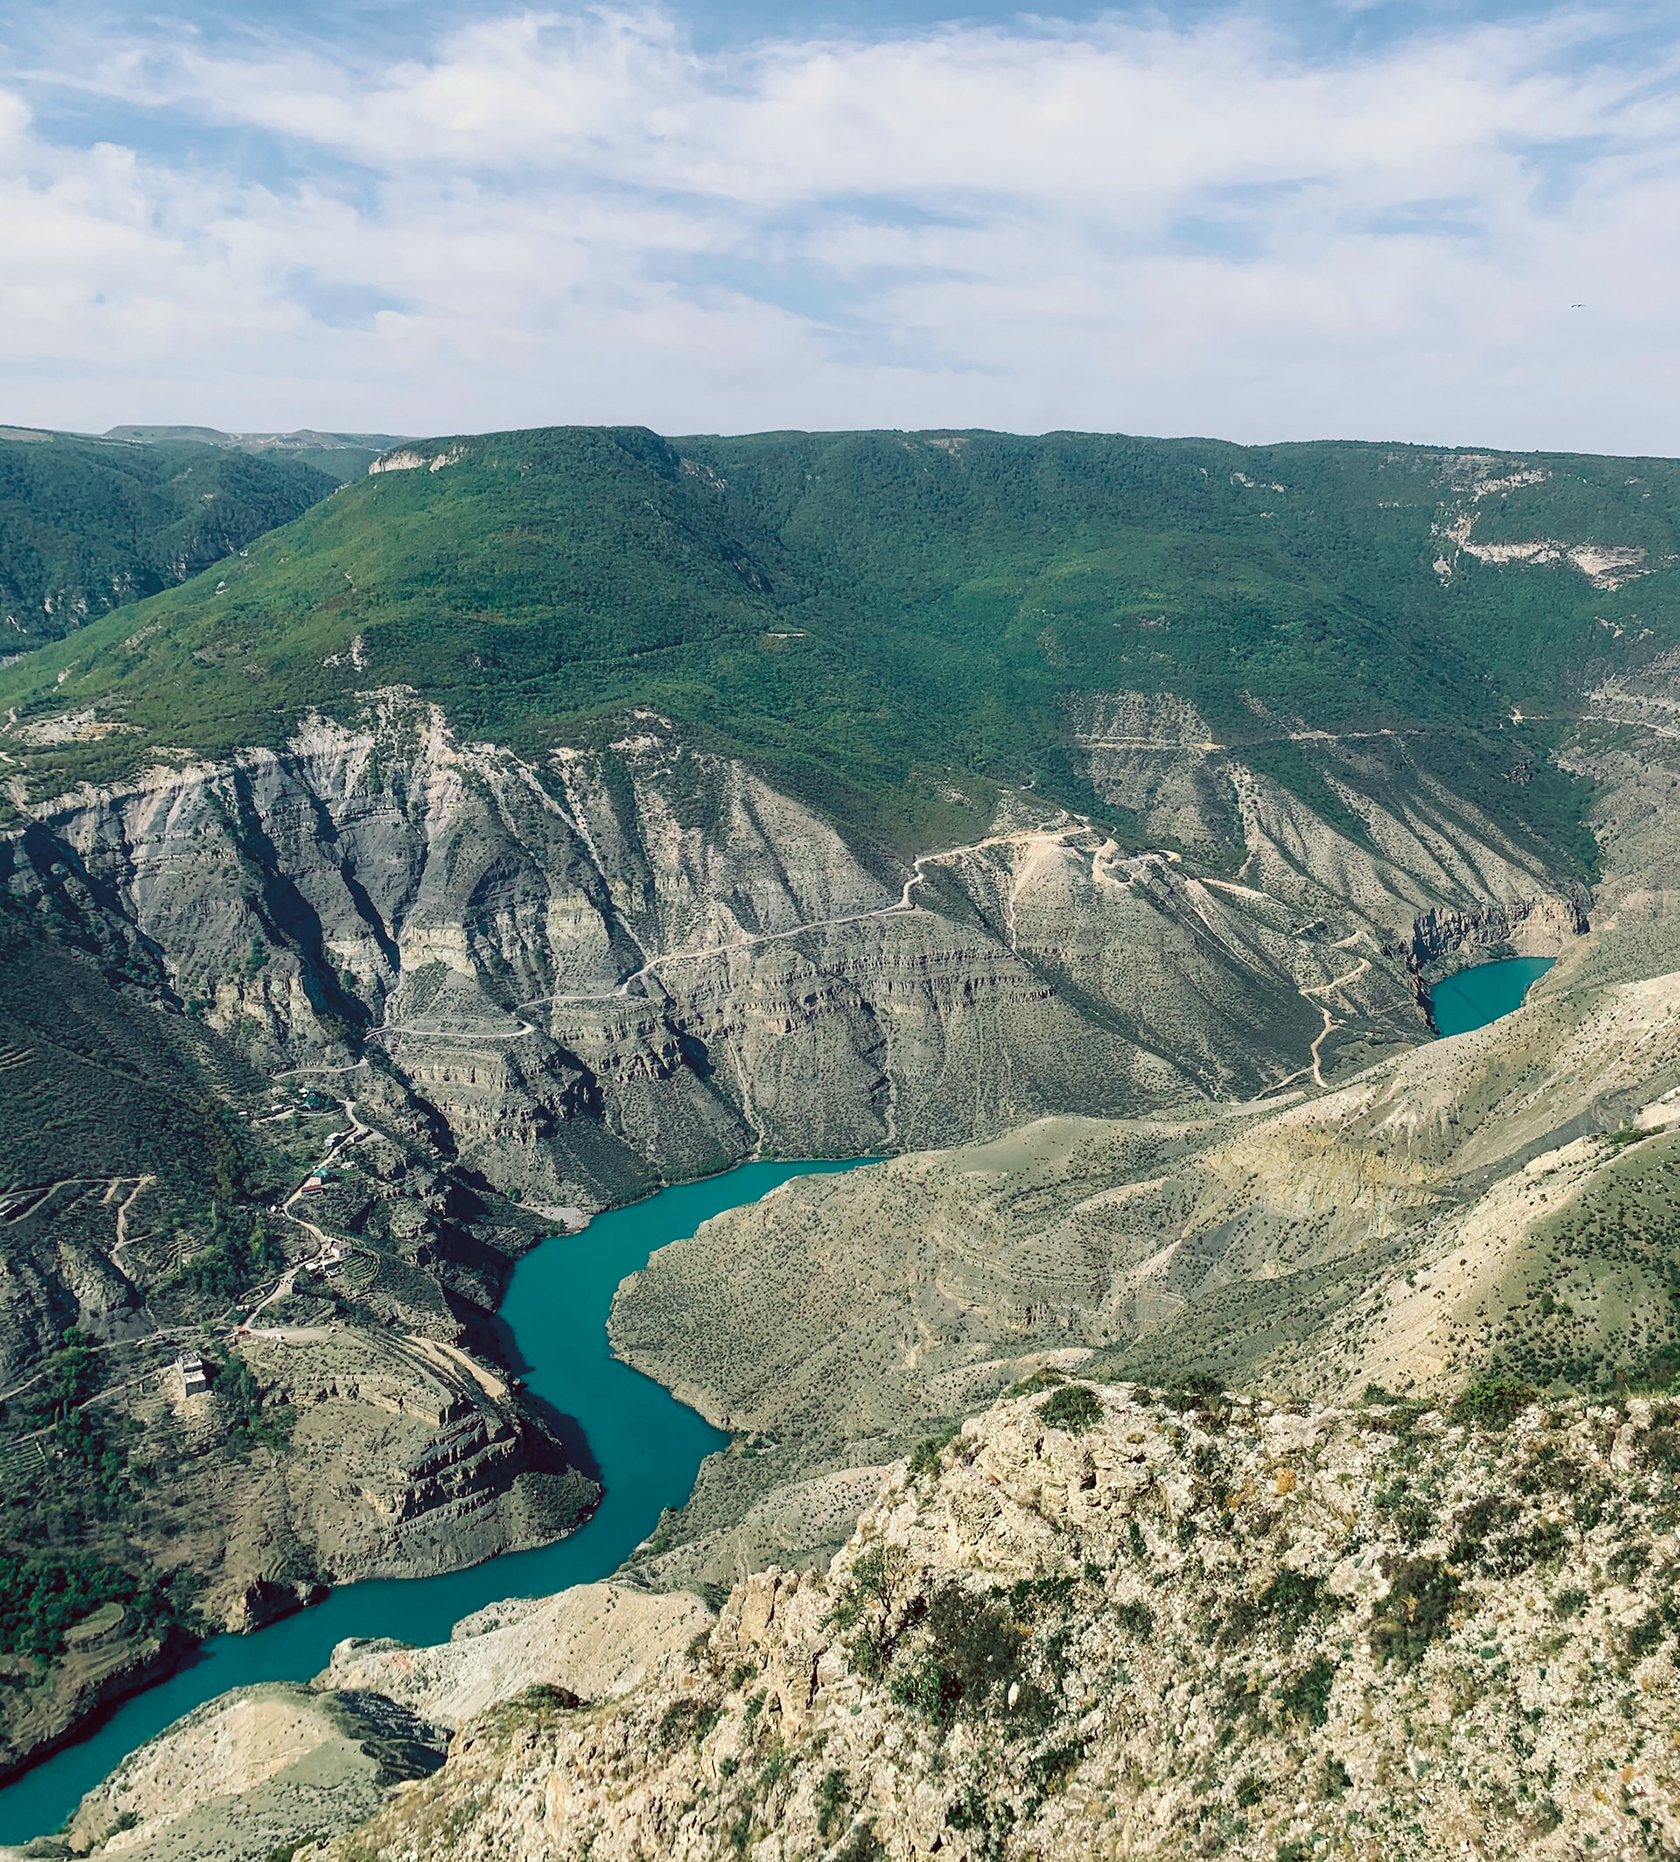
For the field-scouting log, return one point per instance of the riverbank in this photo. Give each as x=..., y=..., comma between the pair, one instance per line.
x=647, y=1447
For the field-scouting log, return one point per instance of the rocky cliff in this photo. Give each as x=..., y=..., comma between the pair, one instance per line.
x=1100, y=1623
x=645, y=961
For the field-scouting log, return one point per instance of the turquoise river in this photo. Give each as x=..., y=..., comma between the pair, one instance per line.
x=647, y=1445
x=1483, y=993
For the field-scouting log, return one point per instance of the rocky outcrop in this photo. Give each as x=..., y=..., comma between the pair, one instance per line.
x=405, y=1458
x=1443, y=941
x=251, y=1774
x=1098, y=1622
x=598, y=1641
x=395, y=1460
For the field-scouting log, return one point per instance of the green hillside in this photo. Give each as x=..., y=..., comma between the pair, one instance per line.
x=889, y=621
x=90, y=525
x=95, y=1084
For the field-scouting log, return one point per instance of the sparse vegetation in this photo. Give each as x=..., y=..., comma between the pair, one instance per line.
x=925, y=1458
x=1421, y=1596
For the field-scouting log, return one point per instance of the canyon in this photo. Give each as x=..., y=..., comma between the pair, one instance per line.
x=322, y=1011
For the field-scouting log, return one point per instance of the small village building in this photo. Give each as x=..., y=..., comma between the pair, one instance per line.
x=189, y=1367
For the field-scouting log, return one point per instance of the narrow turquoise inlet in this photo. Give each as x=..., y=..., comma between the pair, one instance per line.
x=648, y=1446
x=1483, y=993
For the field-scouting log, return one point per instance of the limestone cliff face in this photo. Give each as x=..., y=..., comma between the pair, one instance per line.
x=1099, y=1624
x=644, y=961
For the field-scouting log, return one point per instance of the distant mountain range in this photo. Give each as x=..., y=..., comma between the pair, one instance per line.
x=339, y=455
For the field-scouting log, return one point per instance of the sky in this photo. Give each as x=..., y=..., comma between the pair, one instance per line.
x=1451, y=224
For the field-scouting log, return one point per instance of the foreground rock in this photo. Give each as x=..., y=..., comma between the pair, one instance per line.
x=1095, y=1623
x=596, y=1640
x=256, y=1772
x=251, y=1771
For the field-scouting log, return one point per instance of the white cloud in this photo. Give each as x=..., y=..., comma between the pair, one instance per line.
x=582, y=218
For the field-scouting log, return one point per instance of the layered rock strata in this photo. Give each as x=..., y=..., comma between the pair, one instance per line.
x=645, y=961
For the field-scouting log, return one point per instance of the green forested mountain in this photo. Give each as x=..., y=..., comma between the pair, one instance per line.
x=887, y=620
x=88, y=525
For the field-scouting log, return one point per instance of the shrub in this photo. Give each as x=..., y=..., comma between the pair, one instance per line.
x=865, y=1846
x=688, y=1718
x=1475, y=1522
x=1644, y=1636
x=1512, y=1556
x=1307, y=1697
x=1050, y=1771
x=1137, y=1619
x=1199, y=1392
x=1494, y=1402
x=1074, y=1407
x=1045, y=1378
x=1422, y=1592
x=990, y=1820
x=871, y=1582
x=925, y=1460
x=1291, y=1600
x=971, y=1653
x=1414, y=1521
x=832, y=1794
